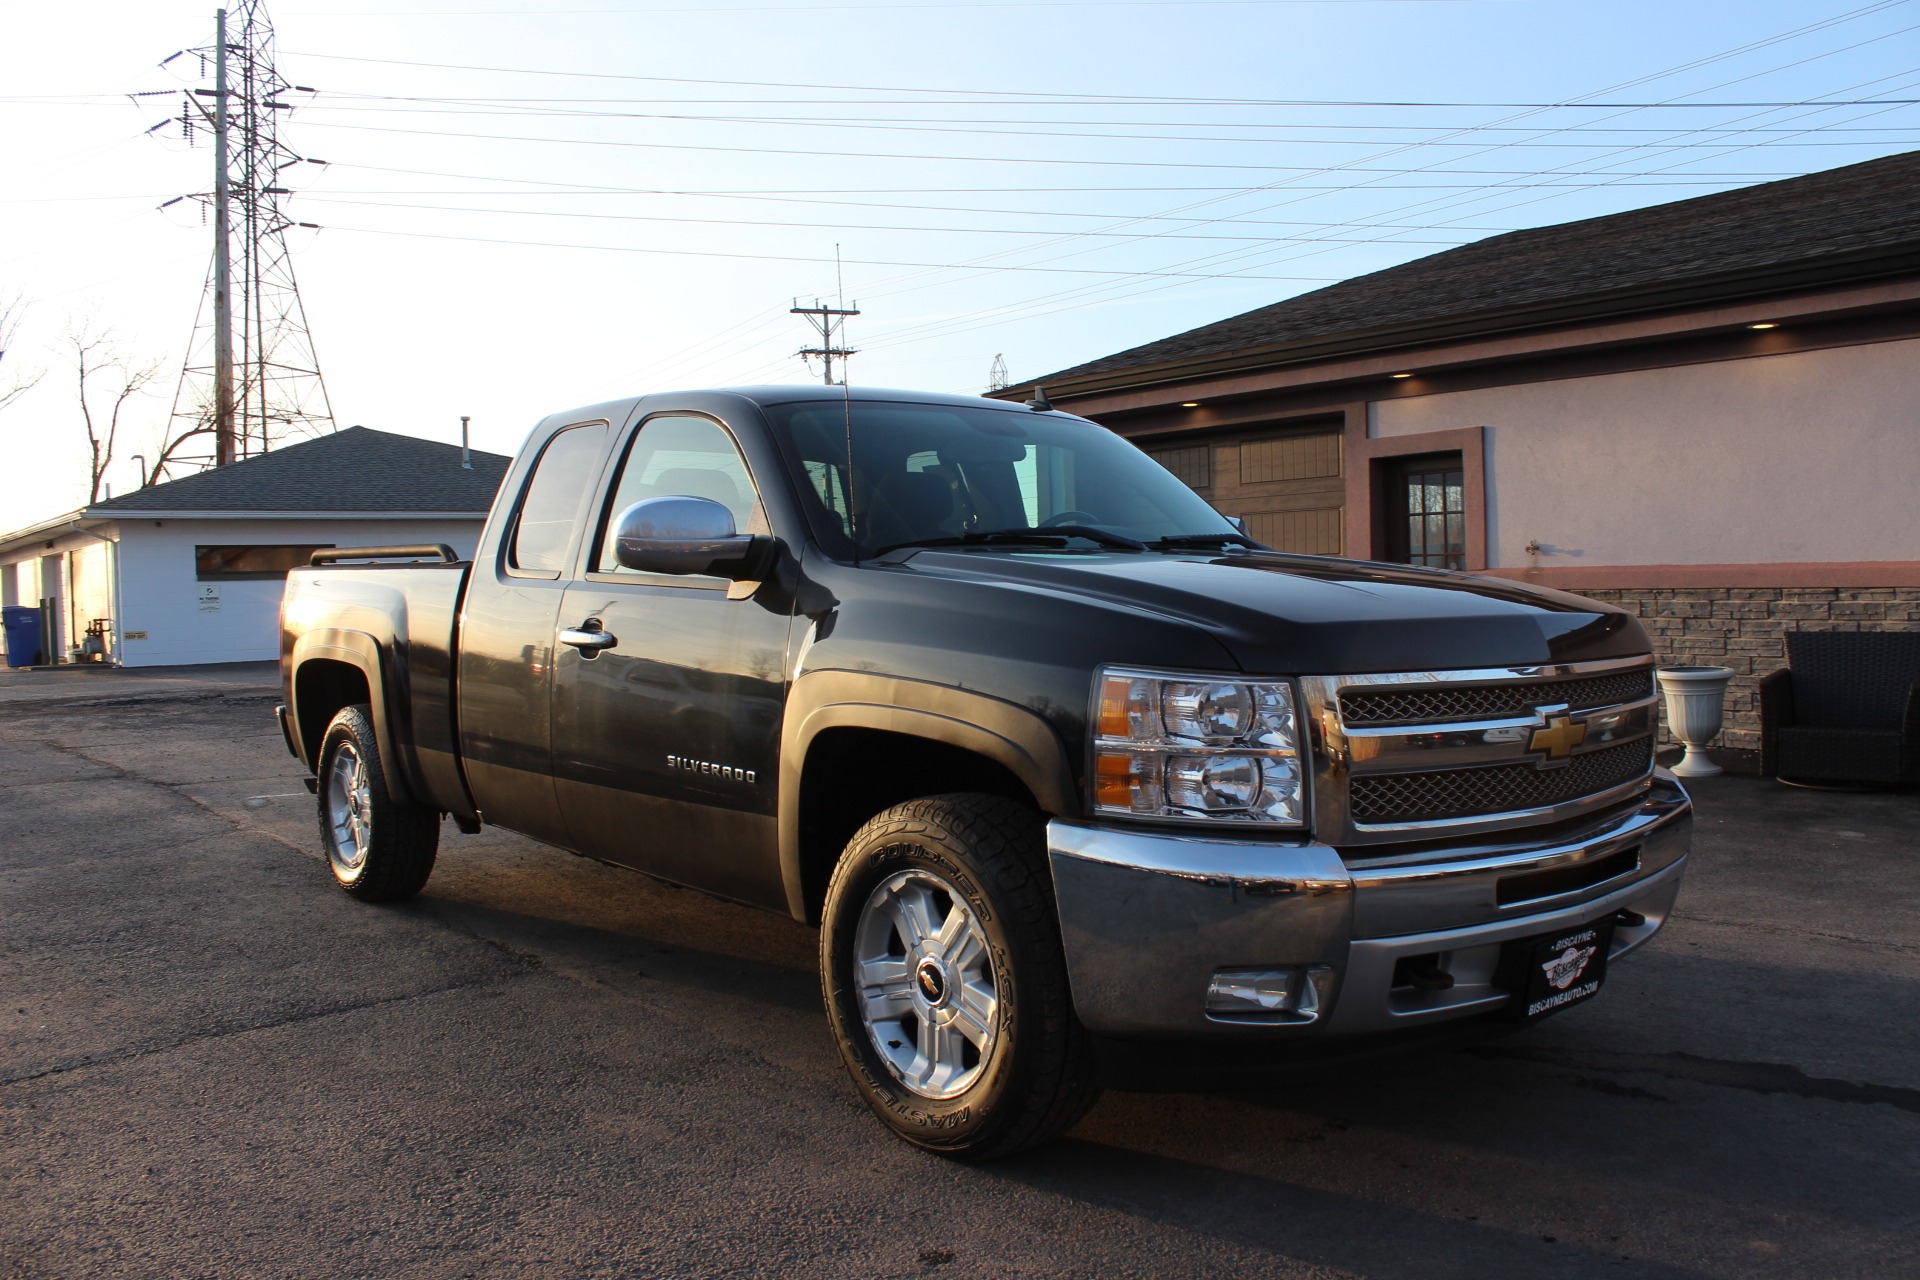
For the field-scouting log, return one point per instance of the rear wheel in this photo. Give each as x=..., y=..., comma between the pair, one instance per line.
x=945, y=982
x=379, y=847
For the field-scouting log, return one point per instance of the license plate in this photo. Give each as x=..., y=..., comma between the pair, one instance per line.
x=1556, y=971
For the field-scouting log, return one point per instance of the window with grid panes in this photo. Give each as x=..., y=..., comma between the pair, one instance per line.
x=1428, y=501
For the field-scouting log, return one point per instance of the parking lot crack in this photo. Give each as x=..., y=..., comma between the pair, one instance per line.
x=177, y=789
x=1753, y=926
x=1755, y=1077
x=223, y=1030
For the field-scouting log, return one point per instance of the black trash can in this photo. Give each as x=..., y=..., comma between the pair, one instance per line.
x=23, y=634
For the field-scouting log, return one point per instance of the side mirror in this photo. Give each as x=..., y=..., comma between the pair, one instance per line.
x=683, y=536
x=1239, y=523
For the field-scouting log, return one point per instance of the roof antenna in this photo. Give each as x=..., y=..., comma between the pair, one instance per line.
x=1040, y=403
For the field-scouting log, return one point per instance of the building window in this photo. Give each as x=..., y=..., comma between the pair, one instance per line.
x=260, y=561
x=1427, y=511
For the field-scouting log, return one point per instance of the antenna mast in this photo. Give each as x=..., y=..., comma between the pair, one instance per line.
x=251, y=378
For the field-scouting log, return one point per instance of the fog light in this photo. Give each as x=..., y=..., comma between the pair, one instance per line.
x=1251, y=991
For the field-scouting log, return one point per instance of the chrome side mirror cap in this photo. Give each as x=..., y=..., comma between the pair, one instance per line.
x=685, y=535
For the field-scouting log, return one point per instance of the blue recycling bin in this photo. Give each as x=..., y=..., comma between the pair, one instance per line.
x=23, y=634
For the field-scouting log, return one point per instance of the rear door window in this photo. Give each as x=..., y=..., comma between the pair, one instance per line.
x=551, y=509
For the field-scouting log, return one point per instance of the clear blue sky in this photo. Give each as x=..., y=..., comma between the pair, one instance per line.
x=1051, y=181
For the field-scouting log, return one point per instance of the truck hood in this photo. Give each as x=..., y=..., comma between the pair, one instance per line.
x=1286, y=614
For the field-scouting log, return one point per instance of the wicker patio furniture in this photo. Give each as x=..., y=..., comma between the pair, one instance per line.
x=1846, y=708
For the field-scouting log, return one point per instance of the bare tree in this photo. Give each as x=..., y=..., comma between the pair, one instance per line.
x=169, y=451
x=16, y=384
x=106, y=381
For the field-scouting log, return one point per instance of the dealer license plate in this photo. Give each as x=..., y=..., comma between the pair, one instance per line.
x=1556, y=971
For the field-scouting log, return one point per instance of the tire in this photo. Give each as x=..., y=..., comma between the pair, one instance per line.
x=379, y=847
x=962, y=1037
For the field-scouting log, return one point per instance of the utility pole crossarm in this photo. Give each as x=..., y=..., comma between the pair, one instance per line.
x=828, y=322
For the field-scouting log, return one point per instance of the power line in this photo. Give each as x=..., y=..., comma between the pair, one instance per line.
x=975, y=95
x=781, y=257
x=952, y=159
x=814, y=226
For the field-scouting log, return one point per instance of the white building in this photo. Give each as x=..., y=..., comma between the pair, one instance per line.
x=191, y=571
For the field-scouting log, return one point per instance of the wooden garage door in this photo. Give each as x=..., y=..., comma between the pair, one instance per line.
x=1290, y=487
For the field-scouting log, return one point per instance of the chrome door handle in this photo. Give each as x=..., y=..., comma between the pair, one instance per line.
x=589, y=641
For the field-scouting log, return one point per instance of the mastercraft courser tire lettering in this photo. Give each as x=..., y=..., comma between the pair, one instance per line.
x=380, y=847
x=945, y=982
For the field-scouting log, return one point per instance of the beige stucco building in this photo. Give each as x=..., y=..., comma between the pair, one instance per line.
x=1707, y=410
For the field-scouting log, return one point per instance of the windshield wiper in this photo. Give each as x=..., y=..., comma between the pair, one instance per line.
x=1052, y=536
x=1179, y=540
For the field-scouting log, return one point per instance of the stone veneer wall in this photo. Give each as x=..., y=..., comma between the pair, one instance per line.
x=1745, y=628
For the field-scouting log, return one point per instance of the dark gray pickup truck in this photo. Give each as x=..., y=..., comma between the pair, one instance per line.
x=1068, y=770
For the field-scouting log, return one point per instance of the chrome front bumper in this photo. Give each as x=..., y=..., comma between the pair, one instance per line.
x=1149, y=918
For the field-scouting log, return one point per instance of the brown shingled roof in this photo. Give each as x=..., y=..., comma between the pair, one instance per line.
x=1857, y=222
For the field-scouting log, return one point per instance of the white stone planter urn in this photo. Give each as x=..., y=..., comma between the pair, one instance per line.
x=1696, y=706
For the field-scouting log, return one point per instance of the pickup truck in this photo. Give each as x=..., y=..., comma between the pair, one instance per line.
x=1065, y=767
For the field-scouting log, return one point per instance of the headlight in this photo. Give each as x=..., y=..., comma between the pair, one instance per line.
x=1174, y=746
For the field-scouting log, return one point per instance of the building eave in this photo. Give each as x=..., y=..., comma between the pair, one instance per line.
x=57, y=526
x=137, y=513
x=1827, y=271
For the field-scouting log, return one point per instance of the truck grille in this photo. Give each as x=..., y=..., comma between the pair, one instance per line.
x=1374, y=708
x=1440, y=794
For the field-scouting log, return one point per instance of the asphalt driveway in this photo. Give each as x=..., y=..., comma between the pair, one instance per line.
x=212, y=1063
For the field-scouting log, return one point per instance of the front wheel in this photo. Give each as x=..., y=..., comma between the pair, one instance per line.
x=379, y=846
x=945, y=982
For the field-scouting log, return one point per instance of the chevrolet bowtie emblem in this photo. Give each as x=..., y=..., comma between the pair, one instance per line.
x=1557, y=738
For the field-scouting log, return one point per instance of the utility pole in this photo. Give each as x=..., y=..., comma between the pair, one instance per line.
x=223, y=442
x=828, y=322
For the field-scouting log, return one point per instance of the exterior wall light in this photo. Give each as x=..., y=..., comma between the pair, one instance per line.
x=1403, y=375
x=1189, y=404
x=1764, y=324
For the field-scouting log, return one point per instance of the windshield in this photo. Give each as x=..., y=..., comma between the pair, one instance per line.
x=932, y=474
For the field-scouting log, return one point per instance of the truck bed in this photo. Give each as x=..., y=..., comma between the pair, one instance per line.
x=403, y=616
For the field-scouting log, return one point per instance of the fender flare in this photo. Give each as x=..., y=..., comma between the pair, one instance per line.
x=1012, y=736
x=386, y=693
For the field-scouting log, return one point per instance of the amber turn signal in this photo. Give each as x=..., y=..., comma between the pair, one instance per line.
x=1113, y=779
x=1116, y=706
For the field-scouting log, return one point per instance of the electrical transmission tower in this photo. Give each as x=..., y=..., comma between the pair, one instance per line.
x=997, y=379
x=828, y=322
x=251, y=378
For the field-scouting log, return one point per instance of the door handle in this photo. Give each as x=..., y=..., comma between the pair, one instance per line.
x=588, y=638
